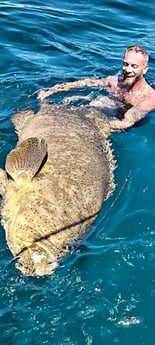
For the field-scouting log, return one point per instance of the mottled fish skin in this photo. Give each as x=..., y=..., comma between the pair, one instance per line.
x=61, y=172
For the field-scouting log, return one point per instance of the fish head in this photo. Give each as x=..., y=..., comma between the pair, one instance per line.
x=34, y=262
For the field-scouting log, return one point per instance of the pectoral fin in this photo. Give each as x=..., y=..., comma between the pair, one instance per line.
x=25, y=160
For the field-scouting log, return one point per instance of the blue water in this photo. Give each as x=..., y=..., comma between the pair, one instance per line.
x=104, y=293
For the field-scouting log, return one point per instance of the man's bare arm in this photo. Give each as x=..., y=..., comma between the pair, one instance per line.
x=90, y=82
x=133, y=115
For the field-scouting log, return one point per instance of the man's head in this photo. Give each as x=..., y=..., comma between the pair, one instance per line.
x=135, y=64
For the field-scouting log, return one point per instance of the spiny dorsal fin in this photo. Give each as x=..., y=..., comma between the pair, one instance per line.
x=97, y=117
x=21, y=119
x=25, y=160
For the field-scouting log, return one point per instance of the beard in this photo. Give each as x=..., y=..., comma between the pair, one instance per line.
x=129, y=80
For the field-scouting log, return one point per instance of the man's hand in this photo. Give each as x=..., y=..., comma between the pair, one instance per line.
x=42, y=94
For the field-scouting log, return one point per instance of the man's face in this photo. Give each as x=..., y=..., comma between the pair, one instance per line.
x=134, y=67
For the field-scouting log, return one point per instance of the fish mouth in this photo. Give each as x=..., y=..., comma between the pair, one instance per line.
x=37, y=265
x=44, y=267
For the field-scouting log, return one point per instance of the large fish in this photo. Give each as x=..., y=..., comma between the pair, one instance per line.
x=54, y=183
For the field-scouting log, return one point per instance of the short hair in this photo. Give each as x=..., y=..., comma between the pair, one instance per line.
x=138, y=49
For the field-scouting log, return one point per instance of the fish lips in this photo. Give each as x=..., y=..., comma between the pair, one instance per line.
x=47, y=269
x=37, y=265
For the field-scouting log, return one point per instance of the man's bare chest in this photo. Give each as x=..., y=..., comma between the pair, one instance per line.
x=129, y=97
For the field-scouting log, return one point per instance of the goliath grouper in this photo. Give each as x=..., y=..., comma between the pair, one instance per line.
x=54, y=183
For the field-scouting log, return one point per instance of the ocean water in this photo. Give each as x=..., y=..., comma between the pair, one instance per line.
x=104, y=292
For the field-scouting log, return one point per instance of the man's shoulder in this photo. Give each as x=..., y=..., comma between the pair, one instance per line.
x=148, y=102
x=151, y=100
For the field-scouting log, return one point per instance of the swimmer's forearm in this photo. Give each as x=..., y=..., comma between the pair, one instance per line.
x=133, y=115
x=119, y=125
x=71, y=85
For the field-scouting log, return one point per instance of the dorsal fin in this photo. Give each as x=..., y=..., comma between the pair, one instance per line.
x=25, y=160
x=97, y=117
x=22, y=118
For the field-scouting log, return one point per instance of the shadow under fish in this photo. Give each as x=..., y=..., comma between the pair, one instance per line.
x=54, y=183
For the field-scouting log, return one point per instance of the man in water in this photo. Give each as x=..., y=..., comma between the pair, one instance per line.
x=130, y=88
